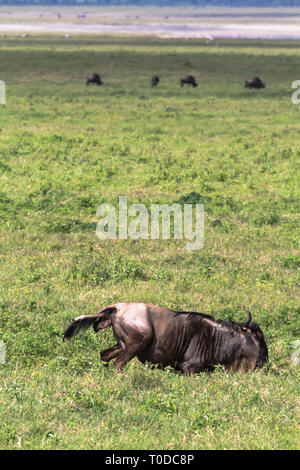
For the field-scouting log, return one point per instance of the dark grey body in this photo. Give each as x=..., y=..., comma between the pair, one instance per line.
x=189, y=80
x=254, y=82
x=189, y=342
x=94, y=78
x=155, y=80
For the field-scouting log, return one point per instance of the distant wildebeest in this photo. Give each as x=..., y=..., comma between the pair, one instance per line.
x=189, y=342
x=254, y=82
x=188, y=79
x=94, y=78
x=155, y=80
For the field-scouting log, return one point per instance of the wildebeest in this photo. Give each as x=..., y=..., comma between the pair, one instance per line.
x=190, y=342
x=155, y=80
x=94, y=78
x=254, y=82
x=188, y=79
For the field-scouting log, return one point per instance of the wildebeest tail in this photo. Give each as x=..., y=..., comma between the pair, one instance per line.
x=100, y=321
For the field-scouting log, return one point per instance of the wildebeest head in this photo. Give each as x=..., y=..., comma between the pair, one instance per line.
x=255, y=349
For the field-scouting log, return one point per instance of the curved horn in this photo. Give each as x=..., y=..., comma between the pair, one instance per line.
x=249, y=318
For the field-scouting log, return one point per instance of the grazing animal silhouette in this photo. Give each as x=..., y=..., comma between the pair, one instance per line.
x=155, y=80
x=254, y=82
x=189, y=342
x=94, y=78
x=189, y=80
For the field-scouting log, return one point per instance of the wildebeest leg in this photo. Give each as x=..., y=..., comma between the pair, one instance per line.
x=136, y=343
x=125, y=357
x=189, y=367
x=234, y=366
x=110, y=353
x=248, y=365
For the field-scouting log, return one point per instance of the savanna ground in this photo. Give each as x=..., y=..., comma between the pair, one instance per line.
x=66, y=148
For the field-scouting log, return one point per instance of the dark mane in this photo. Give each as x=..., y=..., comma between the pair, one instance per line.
x=226, y=323
x=191, y=315
x=233, y=325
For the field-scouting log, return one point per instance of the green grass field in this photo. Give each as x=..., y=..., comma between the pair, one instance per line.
x=65, y=149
